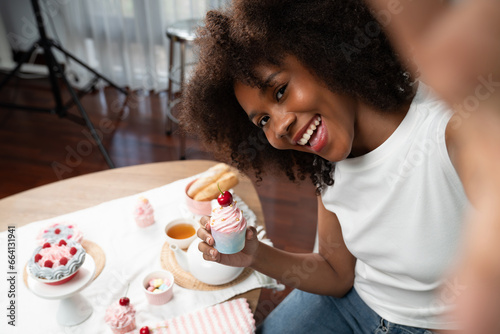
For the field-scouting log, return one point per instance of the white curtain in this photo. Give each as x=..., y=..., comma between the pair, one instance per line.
x=124, y=39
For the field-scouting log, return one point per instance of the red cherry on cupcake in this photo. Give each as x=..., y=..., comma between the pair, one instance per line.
x=46, y=245
x=72, y=251
x=144, y=330
x=124, y=301
x=62, y=242
x=48, y=264
x=57, y=231
x=225, y=198
x=37, y=257
x=63, y=261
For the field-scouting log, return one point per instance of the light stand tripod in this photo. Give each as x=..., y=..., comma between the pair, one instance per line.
x=56, y=71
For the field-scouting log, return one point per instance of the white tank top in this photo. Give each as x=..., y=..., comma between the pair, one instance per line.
x=401, y=209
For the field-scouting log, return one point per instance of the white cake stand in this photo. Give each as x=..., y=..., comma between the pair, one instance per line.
x=73, y=307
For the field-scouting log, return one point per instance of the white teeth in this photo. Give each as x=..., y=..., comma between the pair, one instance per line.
x=310, y=130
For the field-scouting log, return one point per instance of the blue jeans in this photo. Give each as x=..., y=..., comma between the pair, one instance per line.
x=303, y=312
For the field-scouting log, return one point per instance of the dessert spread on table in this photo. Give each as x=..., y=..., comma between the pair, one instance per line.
x=60, y=253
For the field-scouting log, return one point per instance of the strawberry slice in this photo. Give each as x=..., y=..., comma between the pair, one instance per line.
x=37, y=257
x=46, y=245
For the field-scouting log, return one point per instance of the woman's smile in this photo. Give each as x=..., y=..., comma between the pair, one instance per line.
x=303, y=136
x=313, y=135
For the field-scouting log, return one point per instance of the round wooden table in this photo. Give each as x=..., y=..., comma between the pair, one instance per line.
x=88, y=190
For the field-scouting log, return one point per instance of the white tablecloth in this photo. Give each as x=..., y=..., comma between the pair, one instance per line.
x=130, y=251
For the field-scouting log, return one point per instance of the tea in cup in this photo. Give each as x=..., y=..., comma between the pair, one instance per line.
x=181, y=232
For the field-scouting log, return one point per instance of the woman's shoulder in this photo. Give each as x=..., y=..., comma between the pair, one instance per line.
x=424, y=94
x=428, y=110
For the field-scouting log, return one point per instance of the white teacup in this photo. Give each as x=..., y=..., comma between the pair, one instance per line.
x=181, y=232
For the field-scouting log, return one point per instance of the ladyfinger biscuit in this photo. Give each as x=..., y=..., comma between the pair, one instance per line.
x=209, y=177
x=226, y=182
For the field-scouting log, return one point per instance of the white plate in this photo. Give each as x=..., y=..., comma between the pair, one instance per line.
x=77, y=283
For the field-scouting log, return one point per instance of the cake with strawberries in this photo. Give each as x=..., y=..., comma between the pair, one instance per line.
x=60, y=230
x=228, y=225
x=56, y=262
x=144, y=213
x=120, y=316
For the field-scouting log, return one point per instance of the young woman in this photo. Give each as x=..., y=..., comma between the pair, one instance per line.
x=314, y=88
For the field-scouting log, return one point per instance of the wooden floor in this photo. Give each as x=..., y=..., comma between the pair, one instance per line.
x=34, y=147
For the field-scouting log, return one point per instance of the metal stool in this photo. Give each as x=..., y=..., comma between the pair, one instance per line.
x=182, y=32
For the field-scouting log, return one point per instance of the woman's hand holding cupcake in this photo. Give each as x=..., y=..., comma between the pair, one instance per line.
x=227, y=239
x=243, y=258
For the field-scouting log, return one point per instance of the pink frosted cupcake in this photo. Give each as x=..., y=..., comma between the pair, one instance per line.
x=120, y=316
x=228, y=225
x=144, y=213
x=60, y=230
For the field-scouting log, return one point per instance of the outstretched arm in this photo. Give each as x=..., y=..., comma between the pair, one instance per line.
x=329, y=272
x=474, y=148
x=455, y=43
x=456, y=47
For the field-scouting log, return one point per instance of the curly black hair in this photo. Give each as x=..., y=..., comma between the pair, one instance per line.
x=338, y=40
